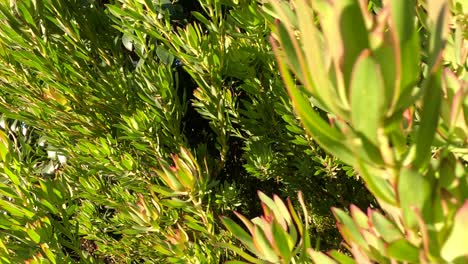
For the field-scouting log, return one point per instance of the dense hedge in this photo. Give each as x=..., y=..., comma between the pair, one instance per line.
x=130, y=127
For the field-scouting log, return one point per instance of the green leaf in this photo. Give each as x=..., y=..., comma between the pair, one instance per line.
x=402, y=250
x=4, y=145
x=359, y=217
x=283, y=210
x=408, y=198
x=26, y=14
x=15, y=210
x=438, y=21
x=12, y=176
x=291, y=50
x=457, y=241
x=341, y=258
x=402, y=13
x=385, y=57
x=240, y=234
x=272, y=206
x=282, y=243
x=36, y=238
x=429, y=119
x=329, y=138
x=376, y=184
x=263, y=245
x=165, y=56
x=169, y=177
x=127, y=41
x=50, y=255
x=175, y=203
x=410, y=64
x=385, y=228
x=192, y=223
x=320, y=258
x=353, y=33
x=116, y=11
x=201, y=18
x=348, y=228
x=312, y=61
x=367, y=96
x=403, y=16
x=241, y=253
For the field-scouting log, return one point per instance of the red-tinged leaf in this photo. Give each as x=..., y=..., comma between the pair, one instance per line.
x=246, y=222
x=282, y=11
x=272, y=206
x=263, y=245
x=169, y=177
x=300, y=198
x=334, y=47
x=283, y=211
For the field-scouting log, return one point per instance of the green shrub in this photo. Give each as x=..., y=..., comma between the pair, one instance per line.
x=396, y=96
x=108, y=92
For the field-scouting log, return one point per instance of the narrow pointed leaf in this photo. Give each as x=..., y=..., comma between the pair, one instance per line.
x=341, y=258
x=385, y=228
x=409, y=198
x=263, y=245
x=402, y=250
x=367, y=96
x=283, y=244
x=319, y=257
x=239, y=233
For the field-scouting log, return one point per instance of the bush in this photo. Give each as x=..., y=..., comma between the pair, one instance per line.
x=129, y=127
x=397, y=107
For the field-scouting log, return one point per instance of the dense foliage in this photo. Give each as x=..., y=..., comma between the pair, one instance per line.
x=394, y=86
x=132, y=130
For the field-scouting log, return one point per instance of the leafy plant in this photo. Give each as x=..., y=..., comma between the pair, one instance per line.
x=387, y=118
x=146, y=120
